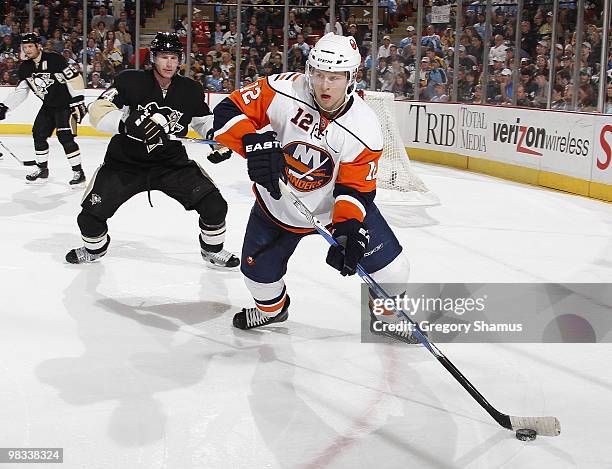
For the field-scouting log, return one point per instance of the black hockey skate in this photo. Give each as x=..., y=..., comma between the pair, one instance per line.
x=78, y=179
x=83, y=256
x=249, y=318
x=39, y=176
x=223, y=259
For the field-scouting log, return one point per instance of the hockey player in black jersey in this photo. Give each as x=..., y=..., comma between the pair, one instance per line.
x=59, y=86
x=143, y=110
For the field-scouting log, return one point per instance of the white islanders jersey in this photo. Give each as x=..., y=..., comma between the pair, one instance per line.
x=331, y=165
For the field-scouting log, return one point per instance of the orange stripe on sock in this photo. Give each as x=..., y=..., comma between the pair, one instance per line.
x=274, y=308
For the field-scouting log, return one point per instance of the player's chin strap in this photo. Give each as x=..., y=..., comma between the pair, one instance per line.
x=547, y=426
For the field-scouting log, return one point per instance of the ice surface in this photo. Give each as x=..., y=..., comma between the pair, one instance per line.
x=132, y=362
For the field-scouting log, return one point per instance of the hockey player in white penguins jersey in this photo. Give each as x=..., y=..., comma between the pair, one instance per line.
x=325, y=143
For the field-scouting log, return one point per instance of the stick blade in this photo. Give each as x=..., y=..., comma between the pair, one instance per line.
x=546, y=426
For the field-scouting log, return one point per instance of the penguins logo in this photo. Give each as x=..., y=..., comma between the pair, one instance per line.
x=167, y=117
x=308, y=167
x=95, y=199
x=40, y=82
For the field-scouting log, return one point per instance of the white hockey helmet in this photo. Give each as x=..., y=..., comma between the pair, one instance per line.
x=333, y=53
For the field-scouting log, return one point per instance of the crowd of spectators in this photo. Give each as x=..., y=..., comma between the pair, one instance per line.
x=110, y=42
x=110, y=47
x=432, y=78
x=213, y=63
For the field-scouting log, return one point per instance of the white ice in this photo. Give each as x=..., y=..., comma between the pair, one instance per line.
x=132, y=362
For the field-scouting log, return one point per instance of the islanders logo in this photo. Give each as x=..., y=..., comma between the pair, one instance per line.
x=308, y=167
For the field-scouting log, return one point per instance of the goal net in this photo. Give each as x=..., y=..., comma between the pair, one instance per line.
x=397, y=183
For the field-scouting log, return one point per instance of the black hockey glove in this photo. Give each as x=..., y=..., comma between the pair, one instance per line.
x=3, y=111
x=217, y=156
x=78, y=108
x=352, y=237
x=140, y=126
x=265, y=161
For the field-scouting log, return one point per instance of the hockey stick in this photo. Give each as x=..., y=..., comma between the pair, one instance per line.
x=195, y=140
x=25, y=163
x=547, y=426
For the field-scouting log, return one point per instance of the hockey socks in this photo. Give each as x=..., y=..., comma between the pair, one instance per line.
x=211, y=247
x=271, y=305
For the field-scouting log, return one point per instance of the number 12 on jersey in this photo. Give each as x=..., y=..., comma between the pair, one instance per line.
x=250, y=93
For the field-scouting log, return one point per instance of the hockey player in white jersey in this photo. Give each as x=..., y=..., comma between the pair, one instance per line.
x=325, y=143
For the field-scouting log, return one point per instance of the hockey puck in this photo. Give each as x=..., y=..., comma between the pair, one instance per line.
x=526, y=434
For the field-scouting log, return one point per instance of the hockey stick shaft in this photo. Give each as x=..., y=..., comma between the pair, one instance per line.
x=11, y=153
x=543, y=425
x=195, y=140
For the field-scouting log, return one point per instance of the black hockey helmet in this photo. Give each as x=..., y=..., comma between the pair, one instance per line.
x=30, y=38
x=167, y=42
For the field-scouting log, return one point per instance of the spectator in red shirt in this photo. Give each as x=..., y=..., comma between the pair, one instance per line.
x=200, y=28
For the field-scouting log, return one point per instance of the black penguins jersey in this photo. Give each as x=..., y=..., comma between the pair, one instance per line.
x=46, y=79
x=174, y=109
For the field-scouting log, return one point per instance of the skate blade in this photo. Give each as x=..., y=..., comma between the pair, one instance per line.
x=80, y=185
x=38, y=182
x=220, y=267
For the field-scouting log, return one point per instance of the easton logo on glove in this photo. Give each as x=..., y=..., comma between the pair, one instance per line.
x=262, y=146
